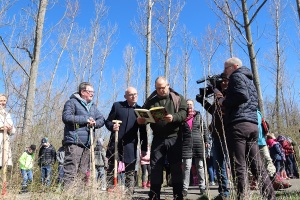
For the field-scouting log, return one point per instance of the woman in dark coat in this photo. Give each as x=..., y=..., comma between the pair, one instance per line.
x=193, y=131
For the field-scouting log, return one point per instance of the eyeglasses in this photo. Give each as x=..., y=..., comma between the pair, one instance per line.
x=132, y=95
x=161, y=88
x=89, y=91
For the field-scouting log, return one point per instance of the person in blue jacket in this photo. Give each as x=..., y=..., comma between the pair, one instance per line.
x=79, y=115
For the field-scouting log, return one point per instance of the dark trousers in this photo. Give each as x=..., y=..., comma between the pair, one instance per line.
x=160, y=149
x=129, y=174
x=244, y=151
x=76, y=164
x=146, y=168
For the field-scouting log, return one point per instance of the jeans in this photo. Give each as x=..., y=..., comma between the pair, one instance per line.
x=210, y=169
x=146, y=168
x=243, y=149
x=220, y=160
x=187, y=164
x=27, y=176
x=46, y=174
x=100, y=176
x=60, y=174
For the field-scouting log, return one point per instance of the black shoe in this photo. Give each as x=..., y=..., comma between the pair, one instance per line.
x=184, y=193
x=202, y=191
x=220, y=197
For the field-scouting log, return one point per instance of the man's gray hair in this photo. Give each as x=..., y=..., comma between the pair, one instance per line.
x=234, y=61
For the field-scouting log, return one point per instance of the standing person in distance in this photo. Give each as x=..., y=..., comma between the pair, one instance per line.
x=79, y=115
x=194, y=137
x=241, y=129
x=26, y=165
x=127, y=138
x=5, y=123
x=167, y=139
x=47, y=158
x=101, y=163
x=145, y=165
x=60, y=157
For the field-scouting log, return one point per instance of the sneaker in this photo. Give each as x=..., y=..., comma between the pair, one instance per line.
x=212, y=183
x=184, y=193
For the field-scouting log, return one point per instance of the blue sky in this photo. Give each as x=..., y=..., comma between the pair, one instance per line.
x=196, y=16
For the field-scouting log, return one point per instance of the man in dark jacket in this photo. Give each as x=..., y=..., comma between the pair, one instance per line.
x=194, y=141
x=167, y=139
x=127, y=137
x=241, y=128
x=79, y=115
x=47, y=157
x=218, y=135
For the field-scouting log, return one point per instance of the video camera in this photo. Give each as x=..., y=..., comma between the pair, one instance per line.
x=213, y=82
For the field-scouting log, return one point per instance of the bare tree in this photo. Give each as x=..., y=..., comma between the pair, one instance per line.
x=29, y=107
x=186, y=50
x=244, y=28
x=298, y=8
x=168, y=15
x=143, y=29
x=129, y=56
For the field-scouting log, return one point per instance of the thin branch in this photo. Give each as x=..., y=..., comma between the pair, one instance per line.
x=13, y=57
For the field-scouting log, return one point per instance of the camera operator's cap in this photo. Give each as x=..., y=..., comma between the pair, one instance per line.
x=224, y=76
x=33, y=147
x=44, y=140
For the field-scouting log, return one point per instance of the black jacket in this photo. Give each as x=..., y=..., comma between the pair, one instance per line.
x=192, y=141
x=241, y=98
x=128, y=132
x=47, y=156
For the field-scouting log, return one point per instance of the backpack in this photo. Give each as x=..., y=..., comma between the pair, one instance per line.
x=265, y=126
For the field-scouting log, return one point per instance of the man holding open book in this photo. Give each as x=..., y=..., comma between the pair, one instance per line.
x=166, y=142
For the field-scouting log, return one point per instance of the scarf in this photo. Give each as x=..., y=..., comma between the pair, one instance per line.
x=190, y=118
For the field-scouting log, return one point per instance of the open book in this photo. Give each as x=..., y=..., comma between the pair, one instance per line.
x=152, y=115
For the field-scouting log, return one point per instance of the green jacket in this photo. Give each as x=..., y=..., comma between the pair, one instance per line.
x=26, y=161
x=175, y=105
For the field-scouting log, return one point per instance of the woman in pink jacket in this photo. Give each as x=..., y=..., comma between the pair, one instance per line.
x=145, y=165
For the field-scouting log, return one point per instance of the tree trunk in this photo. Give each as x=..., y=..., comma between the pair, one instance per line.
x=148, y=48
x=167, y=51
x=29, y=107
x=251, y=51
x=298, y=8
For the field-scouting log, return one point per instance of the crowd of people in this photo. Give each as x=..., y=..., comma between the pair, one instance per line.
x=235, y=143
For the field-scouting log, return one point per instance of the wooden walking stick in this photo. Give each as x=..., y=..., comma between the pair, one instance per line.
x=116, y=153
x=4, y=155
x=93, y=167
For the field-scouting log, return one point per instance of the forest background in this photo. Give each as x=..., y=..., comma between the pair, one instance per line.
x=48, y=47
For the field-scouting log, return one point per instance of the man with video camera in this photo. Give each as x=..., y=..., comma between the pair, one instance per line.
x=219, y=83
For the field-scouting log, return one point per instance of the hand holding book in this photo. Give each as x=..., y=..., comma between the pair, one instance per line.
x=152, y=115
